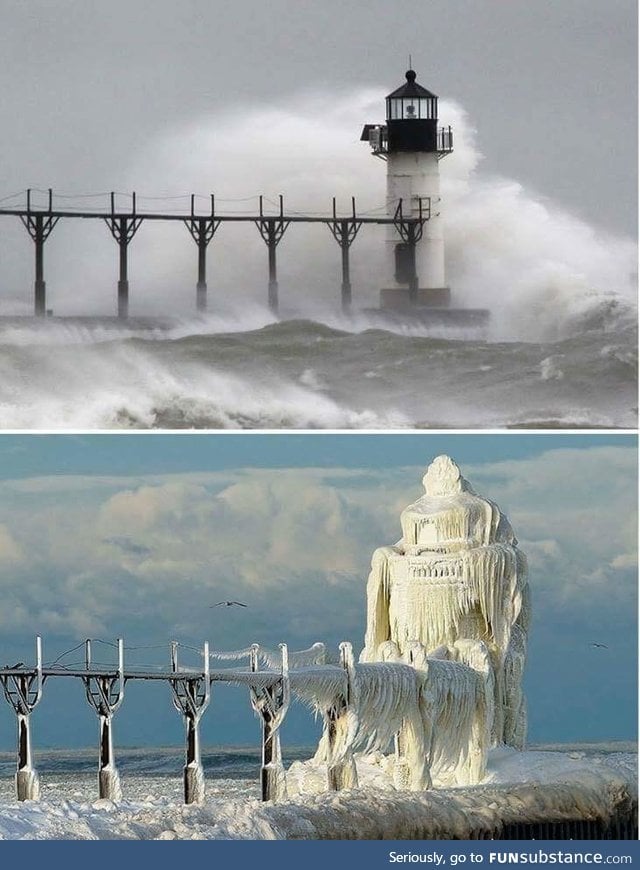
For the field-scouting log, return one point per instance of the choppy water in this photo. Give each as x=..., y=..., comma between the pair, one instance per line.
x=309, y=373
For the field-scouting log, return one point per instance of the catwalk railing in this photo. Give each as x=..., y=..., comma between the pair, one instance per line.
x=269, y=695
x=40, y=212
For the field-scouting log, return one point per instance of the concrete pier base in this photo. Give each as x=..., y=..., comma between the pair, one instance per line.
x=399, y=298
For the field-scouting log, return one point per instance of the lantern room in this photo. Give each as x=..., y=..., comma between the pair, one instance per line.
x=412, y=102
x=411, y=123
x=412, y=117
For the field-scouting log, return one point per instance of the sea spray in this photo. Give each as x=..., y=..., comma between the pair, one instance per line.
x=544, y=273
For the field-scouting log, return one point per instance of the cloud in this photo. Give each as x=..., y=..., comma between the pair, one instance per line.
x=624, y=561
x=128, y=546
x=575, y=513
x=148, y=554
x=10, y=551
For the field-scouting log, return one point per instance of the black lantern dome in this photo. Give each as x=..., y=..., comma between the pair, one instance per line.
x=412, y=117
x=411, y=123
x=412, y=102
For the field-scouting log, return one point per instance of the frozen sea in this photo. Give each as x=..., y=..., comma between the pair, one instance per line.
x=572, y=779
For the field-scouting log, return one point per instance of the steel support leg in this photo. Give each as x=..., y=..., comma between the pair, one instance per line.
x=191, y=696
x=271, y=704
x=105, y=694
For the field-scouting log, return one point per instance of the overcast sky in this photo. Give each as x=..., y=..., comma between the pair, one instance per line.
x=87, y=88
x=135, y=536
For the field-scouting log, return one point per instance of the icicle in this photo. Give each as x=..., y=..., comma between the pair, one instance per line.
x=231, y=655
x=314, y=655
x=377, y=602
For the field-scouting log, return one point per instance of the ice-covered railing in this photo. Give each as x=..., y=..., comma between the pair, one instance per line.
x=314, y=655
x=104, y=683
x=436, y=711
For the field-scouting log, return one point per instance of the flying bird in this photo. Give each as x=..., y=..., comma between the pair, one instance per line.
x=602, y=645
x=228, y=604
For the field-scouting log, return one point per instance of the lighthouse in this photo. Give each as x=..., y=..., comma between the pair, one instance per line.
x=412, y=144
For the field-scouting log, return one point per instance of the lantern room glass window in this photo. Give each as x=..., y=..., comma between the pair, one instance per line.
x=406, y=108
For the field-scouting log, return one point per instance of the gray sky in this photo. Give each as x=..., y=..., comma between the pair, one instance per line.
x=85, y=86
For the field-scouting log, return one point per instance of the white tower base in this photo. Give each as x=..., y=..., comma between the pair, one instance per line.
x=411, y=177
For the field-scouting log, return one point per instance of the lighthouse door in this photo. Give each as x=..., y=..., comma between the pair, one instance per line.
x=405, y=262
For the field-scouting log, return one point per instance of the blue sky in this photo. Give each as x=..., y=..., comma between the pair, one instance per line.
x=136, y=535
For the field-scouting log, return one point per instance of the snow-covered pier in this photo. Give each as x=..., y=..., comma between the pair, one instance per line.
x=564, y=799
x=423, y=736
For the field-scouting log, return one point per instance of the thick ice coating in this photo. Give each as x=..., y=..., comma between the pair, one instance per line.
x=455, y=588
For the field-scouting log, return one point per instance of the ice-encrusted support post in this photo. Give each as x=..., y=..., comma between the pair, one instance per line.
x=39, y=225
x=123, y=228
x=191, y=696
x=202, y=230
x=344, y=231
x=272, y=230
x=271, y=704
x=23, y=690
x=341, y=769
x=105, y=693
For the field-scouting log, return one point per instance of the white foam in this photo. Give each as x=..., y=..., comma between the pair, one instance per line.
x=544, y=272
x=120, y=387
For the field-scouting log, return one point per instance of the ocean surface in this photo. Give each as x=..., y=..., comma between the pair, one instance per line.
x=311, y=373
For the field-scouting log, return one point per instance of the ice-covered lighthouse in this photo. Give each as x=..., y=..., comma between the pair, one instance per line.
x=413, y=144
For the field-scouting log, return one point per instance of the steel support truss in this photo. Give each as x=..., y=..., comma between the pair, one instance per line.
x=123, y=228
x=344, y=231
x=272, y=230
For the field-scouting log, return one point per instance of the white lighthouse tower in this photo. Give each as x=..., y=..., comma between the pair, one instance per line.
x=413, y=145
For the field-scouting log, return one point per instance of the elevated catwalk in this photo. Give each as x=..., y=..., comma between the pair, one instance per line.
x=407, y=303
